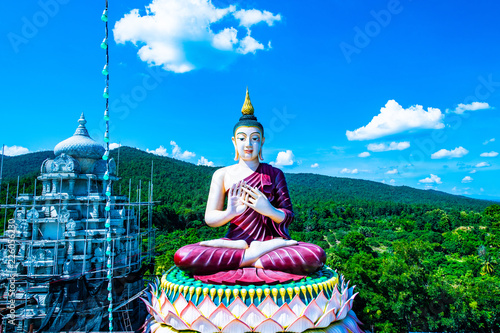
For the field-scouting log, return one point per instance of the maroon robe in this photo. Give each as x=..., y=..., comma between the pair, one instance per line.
x=302, y=258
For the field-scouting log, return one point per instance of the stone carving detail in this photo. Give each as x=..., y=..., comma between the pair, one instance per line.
x=63, y=216
x=33, y=213
x=20, y=213
x=22, y=228
x=65, y=163
x=68, y=267
x=71, y=225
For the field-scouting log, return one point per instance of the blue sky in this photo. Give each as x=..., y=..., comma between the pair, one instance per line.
x=402, y=92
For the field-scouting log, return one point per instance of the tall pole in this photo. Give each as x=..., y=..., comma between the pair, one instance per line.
x=1, y=167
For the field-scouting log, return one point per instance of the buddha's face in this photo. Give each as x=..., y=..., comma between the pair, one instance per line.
x=248, y=142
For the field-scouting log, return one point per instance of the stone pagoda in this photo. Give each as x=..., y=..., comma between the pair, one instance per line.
x=54, y=256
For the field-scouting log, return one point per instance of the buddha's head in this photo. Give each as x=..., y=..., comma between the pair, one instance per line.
x=248, y=134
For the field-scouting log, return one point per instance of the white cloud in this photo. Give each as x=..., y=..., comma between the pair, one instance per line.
x=173, y=33
x=379, y=147
x=490, y=154
x=393, y=118
x=179, y=154
x=14, y=150
x=114, y=145
x=392, y=172
x=364, y=154
x=455, y=153
x=225, y=39
x=204, y=161
x=430, y=180
x=250, y=17
x=474, y=106
x=315, y=165
x=488, y=141
x=473, y=171
x=160, y=151
x=454, y=189
x=392, y=182
x=284, y=158
x=249, y=44
x=482, y=165
x=467, y=179
x=353, y=171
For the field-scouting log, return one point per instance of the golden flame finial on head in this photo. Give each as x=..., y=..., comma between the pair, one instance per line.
x=247, y=106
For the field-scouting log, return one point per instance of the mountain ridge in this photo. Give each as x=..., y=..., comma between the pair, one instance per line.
x=136, y=164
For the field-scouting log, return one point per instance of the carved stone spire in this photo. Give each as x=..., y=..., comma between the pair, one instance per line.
x=247, y=106
x=82, y=130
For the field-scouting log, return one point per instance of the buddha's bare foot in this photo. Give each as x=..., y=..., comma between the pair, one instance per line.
x=226, y=243
x=257, y=249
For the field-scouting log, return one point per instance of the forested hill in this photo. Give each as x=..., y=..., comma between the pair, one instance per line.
x=24, y=165
x=187, y=184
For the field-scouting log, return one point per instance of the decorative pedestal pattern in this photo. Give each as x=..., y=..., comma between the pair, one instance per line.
x=321, y=302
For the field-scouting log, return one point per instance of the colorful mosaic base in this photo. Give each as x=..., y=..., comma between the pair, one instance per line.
x=321, y=302
x=176, y=282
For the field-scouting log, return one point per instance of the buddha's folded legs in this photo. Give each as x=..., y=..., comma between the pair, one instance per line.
x=302, y=258
x=203, y=260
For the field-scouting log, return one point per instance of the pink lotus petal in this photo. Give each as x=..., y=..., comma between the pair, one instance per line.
x=204, y=325
x=343, y=310
x=261, y=273
x=300, y=325
x=154, y=302
x=297, y=305
x=207, y=307
x=334, y=302
x=155, y=327
x=353, y=316
x=159, y=317
x=313, y=311
x=173, y=320
x=351, y=301
x=345, y=296
x=283, y=277
x=229, y=277
x=322, y=301
x=237, y=307
x=163, y=297
x=236, y=326
x=252, y=316
x=148, y=305
x=190, y=313
x=351, y=291
x=166, y=306
x=221, y=316
x=180, y=303
x=269, y=326
x=268, y=307
x=326, y=319
x=350, y=323
x=249, y=277
x=284, y=316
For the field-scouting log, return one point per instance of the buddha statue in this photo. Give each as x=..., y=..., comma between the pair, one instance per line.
x=258, y=210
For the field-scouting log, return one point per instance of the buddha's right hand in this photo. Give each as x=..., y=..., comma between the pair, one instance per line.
x=235, y=196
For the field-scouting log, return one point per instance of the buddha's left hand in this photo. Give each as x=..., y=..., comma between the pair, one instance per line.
x=258, y=201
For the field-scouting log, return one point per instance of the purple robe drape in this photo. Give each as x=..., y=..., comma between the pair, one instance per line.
x=302, y=258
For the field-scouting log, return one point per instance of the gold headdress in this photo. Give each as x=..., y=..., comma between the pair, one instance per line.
x=247, y=106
